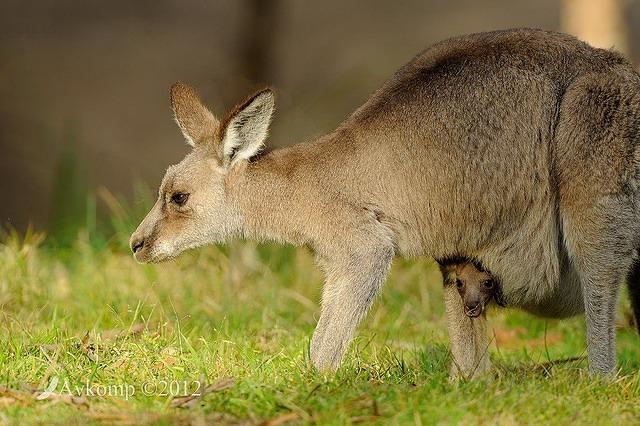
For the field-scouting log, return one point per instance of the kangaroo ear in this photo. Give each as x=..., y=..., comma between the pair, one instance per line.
x=243, y=132
x=197, y=123
x=446, y=268
x=448, y=273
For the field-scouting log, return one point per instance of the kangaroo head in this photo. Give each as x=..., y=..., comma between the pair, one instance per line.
x=193, y=206
x=475, y=286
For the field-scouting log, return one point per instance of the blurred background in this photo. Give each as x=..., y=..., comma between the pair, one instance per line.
x=85, y=125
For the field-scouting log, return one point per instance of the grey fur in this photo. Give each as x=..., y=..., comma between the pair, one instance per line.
x=517, y=148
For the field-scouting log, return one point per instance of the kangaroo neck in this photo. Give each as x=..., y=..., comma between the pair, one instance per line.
x=278, y=196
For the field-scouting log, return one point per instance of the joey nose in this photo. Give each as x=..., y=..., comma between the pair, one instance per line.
x=473, y=309
x=136, y=244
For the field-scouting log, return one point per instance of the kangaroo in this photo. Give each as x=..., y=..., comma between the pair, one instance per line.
x=518, y=148
x=476, y=286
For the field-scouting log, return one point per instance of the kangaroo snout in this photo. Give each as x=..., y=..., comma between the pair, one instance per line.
x=473, y=310
x=142, y=240
x=138, y=248
x=136, y=244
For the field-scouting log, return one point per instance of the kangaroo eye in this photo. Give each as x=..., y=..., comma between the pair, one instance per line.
x=488, y=284
x=179, y=198
x=459, y=283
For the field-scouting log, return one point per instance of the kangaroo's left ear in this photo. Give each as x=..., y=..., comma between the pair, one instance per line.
x=448, y=273
x=197, y=123
x=244, y=130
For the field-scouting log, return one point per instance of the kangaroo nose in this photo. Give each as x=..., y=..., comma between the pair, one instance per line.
x=474, y=309
x=137, y=245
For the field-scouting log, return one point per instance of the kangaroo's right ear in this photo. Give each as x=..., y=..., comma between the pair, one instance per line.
x=197, y=123
x=244, y=130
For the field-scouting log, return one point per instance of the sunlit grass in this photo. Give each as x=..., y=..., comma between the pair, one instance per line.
x=89, y=315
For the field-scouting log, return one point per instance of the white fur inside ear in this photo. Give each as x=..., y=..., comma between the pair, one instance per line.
x=246, y=132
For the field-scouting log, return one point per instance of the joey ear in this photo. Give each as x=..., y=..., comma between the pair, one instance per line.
x=448, y=273
x=243, y=132
x=197, y=123
x=446, y=269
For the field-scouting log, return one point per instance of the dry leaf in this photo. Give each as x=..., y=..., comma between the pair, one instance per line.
x=87, y=348
x=9, y=397
x=169, y=356
x=116, y=333
x=191, y=400
x=52, y=347
x=79, y=401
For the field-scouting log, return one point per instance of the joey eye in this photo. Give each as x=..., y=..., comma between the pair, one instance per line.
x=459, y=283
x=179, y=198
x=488, y=284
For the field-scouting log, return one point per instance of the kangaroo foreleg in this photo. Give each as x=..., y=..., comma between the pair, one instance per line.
x=349, y=291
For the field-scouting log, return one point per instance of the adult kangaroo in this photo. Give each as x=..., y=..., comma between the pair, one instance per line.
x=518, y=148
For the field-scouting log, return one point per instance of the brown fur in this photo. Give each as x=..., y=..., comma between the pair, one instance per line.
x=194, y=119
x=476, y=286
x=518, y=148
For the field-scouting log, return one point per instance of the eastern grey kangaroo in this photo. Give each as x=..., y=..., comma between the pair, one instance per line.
x=477, y=287
x=517, y=148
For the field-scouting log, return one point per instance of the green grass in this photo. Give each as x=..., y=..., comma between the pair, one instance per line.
x=88, y=314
